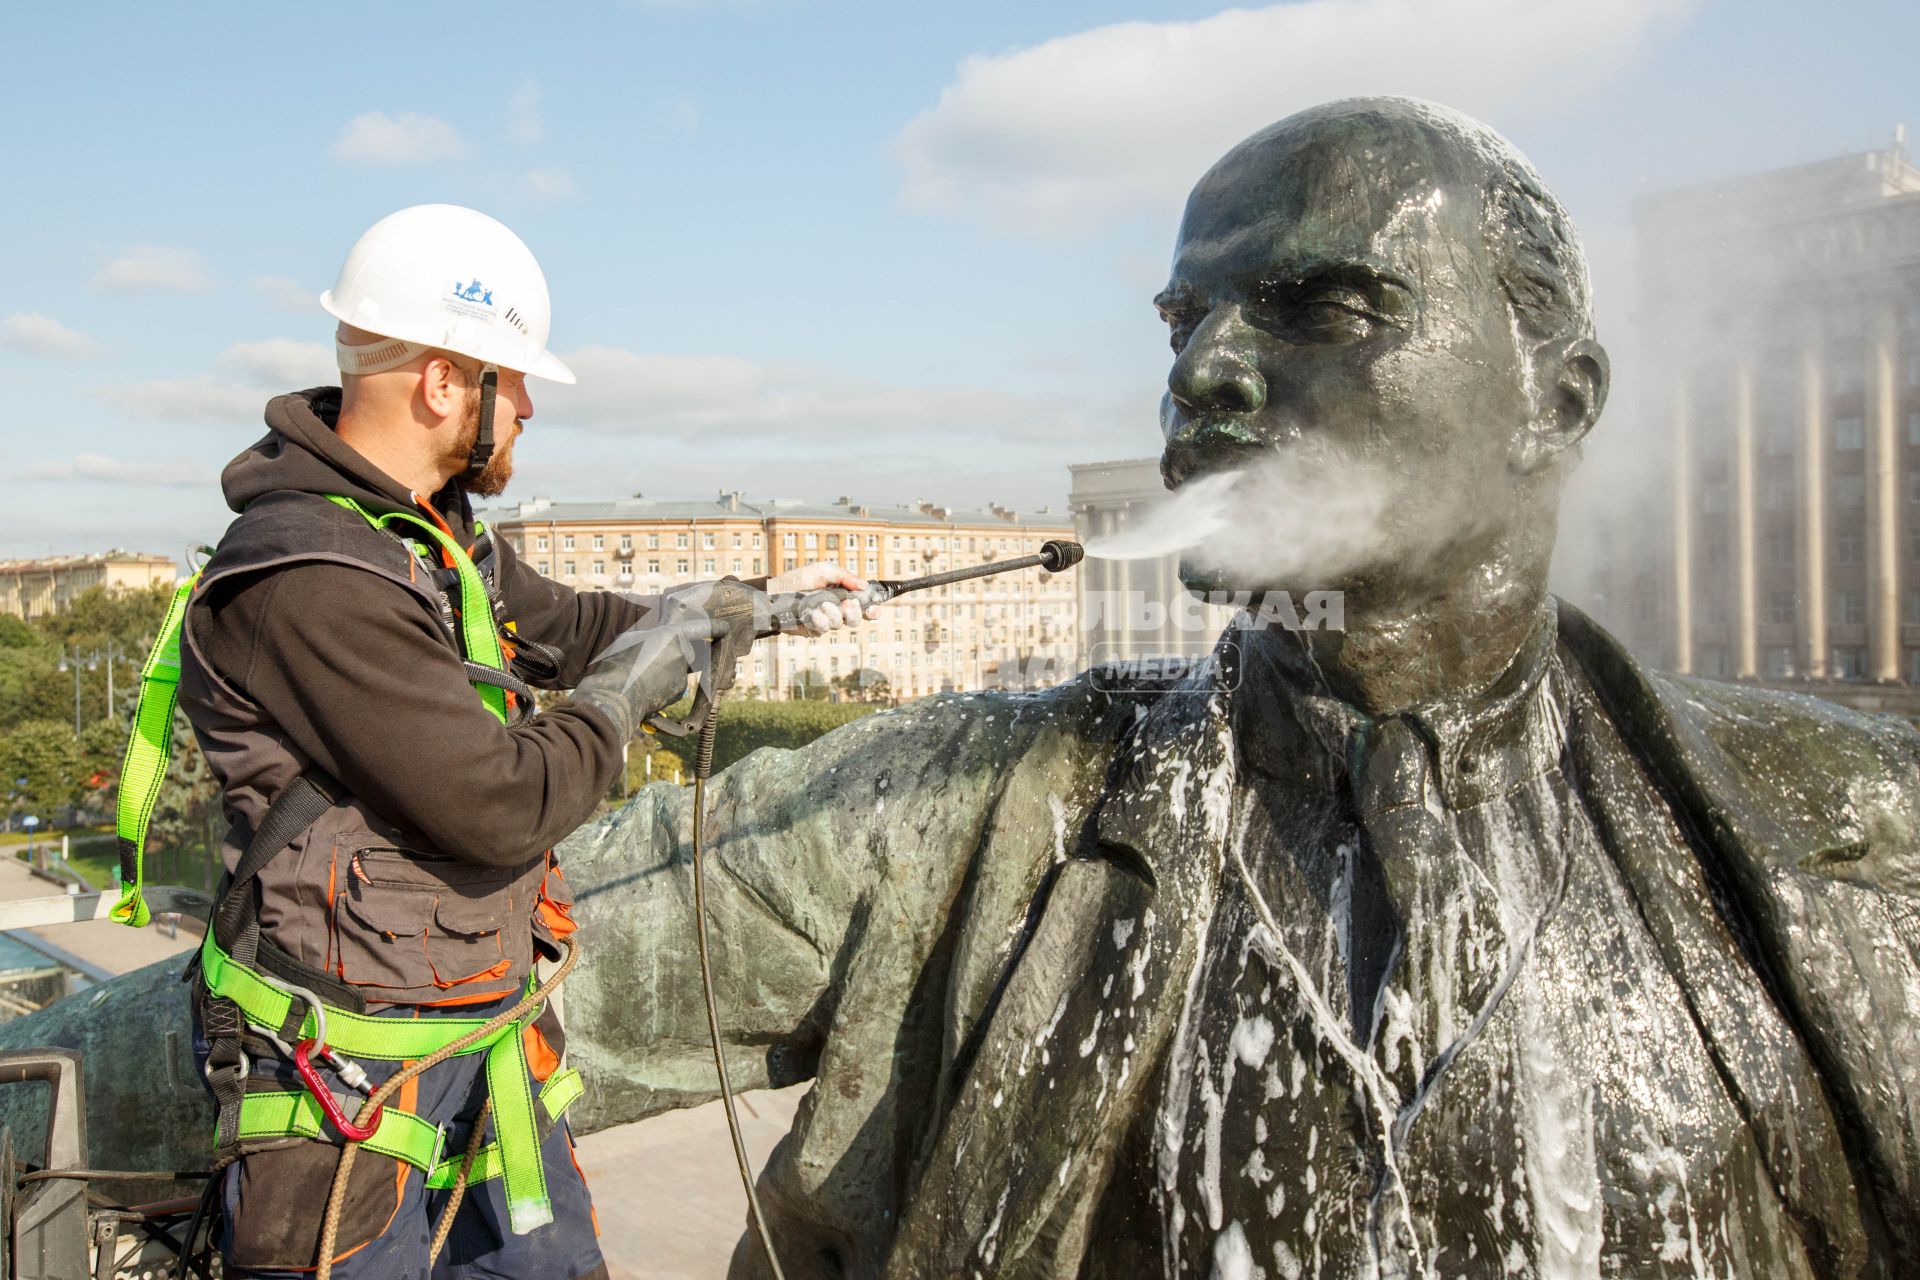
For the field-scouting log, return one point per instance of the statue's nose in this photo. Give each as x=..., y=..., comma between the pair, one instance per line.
x=1216, y=371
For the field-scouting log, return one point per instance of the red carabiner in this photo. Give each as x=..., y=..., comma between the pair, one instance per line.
x=324, y=1096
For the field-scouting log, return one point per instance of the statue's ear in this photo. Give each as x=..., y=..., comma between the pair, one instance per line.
x=1570, y=377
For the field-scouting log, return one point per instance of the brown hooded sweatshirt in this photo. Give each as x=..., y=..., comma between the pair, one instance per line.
x=357, y=673
x=317, y=642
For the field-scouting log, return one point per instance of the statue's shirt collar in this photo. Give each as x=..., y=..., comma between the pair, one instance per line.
x=1292, y=726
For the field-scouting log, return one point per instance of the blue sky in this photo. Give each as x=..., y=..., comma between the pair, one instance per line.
x=886, y=250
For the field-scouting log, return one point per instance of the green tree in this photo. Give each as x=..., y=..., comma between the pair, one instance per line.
x=864, y=685
x=42, y=767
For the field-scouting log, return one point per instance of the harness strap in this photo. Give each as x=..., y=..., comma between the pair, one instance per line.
x=478, y=639
x=402, y=1135
x=266, y=1004
x=149, y=748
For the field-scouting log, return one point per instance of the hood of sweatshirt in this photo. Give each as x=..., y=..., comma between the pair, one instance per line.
x=301, y=452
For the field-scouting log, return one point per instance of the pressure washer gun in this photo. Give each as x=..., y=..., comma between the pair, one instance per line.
x=787, y=612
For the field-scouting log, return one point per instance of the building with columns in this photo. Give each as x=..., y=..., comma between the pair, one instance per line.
x=1780, y=320
x=1132, y=608
x=1004, y=631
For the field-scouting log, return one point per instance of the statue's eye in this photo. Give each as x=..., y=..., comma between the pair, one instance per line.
x=1320, y=312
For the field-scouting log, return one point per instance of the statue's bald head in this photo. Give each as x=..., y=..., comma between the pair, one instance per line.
x=1390, y=278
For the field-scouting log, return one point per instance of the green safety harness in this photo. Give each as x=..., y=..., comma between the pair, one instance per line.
x=244, y=993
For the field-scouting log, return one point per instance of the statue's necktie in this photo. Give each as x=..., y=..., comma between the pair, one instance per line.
x=1444, y=910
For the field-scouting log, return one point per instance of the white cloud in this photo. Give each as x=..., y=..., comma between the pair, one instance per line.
x=287, y=295
x=1085, y=126
x=156, y=268
x=684, y=116
x=94, y=466
x=202, y=400
x=720, y=399
x=41, y=335
x=549, y=184
x=403, y=138
x=524, y=124
x=250, y=374
x=281, y=363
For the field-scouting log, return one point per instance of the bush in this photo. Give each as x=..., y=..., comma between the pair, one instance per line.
x=746, y=726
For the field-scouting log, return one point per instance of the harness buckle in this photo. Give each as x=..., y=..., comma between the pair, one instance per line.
x=302, y=1052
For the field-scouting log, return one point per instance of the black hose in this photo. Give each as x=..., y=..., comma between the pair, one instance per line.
x=703, y=766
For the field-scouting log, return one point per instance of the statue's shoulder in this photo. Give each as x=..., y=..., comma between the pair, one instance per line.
x=1799, y=782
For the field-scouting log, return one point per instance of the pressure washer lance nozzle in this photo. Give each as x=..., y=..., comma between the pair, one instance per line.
x=790, y=609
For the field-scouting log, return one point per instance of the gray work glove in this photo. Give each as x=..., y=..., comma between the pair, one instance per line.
x=701, y=630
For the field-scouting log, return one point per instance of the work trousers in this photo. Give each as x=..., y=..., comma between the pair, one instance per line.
x=275, y=1200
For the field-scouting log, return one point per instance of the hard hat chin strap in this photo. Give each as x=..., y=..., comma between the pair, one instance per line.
x=483, y=442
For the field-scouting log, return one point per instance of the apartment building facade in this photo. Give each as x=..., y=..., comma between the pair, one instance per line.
x=36, y=588
x=1006, y=631
x=1784, y=345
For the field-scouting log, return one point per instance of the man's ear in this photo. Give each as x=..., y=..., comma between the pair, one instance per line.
x=437, y=388
x=1570, y=377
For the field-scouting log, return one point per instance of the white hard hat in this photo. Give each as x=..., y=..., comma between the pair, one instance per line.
x=439, y=275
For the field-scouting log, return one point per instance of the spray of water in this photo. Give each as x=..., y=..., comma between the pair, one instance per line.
x=1302, y=516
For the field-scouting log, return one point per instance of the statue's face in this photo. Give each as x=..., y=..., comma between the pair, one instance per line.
x=1332, y=286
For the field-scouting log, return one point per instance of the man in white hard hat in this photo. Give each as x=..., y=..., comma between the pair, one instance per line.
x=358, y=660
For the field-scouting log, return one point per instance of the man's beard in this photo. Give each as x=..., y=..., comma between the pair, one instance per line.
x=492, y=480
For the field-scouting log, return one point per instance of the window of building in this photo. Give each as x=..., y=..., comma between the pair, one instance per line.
x=680, y=541
x=706, y=542
x=653, y=542
x=1849, y=607
x=1780, y=608
x=736, y=566
x=1846, y=548
x=756, y=564
x=626, y=542
x=1779, y=493
x=599, y=542
x=680, y=566
x=566, y=568
x=833, y=542
x=600, y=568
x=1848, y=431
x=566, y=543
x=706, y=566
x=540, y=543
x=736, y=540
x=896, y=542
x=653, y=566
x=1913, y=666
x=1913, y=608
x=873, y=542
x=1849, y=491
x=1913, y=426
x=1848, y=662
x=1780, y=661
x=813, y=541
x=786, y=540
x=1779, y=547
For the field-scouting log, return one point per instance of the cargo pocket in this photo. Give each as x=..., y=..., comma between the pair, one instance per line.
x=465, y=944
x=275, y=1220
x=411, y=926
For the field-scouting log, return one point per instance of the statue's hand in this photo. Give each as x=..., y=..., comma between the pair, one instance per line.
x=813, y=577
